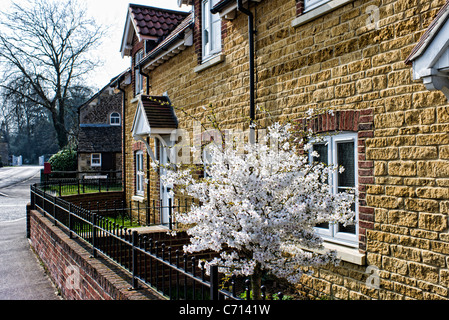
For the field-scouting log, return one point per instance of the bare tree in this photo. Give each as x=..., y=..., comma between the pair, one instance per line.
x=46, y=44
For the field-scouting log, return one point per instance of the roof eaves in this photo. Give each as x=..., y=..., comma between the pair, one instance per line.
x=440, y=19
x=110, y=84
x=169, y=41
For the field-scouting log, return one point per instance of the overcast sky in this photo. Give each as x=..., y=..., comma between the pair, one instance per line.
x=112, y=13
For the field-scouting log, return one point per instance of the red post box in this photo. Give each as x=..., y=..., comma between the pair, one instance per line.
x=47, y=168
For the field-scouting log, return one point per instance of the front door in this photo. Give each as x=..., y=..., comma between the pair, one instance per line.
x=165, y=196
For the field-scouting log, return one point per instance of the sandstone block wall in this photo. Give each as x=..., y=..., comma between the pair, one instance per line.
x=339, y=61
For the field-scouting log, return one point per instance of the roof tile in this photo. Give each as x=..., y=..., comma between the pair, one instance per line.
x=159, y=112
x=158, y=22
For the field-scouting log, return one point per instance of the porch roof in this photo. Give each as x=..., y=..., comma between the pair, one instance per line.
x=154, y=115
x=430, y=57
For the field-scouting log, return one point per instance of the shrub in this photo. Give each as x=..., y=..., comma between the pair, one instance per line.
x=64, y=160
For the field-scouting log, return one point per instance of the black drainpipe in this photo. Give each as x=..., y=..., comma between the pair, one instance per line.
x=251, y=33
x=146, y=76
x=123, y=139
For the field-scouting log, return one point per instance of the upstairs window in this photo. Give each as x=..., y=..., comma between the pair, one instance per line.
x=312, y=4
x=138, y=76
x=211, y=30
x=115, y=119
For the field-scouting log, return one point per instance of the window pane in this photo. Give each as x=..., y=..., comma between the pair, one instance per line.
x=346, y=179
x=345, y=158
x=310, y=4
x=216, y=34
x=349, y=228
x=321, y=149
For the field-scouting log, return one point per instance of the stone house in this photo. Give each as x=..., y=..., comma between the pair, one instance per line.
x=100, y=132
x=381, y=66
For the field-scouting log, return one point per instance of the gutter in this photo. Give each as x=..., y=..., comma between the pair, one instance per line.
x=153, y=54
x=146, y=75
x=123, y=136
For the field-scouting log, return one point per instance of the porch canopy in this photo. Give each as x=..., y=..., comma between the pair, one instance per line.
x=430, y=57
x=154, y=117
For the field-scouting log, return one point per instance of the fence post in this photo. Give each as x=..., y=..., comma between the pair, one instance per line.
x=170, y=212
x=94, y=234
x=54, y=211
x=214, y=282
x=135, y=282
x=44, y=198
x=70, y=221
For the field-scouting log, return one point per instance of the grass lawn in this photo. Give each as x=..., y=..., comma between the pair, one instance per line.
x=73, y=189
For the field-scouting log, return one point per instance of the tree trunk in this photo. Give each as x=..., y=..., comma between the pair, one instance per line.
x=256, y=282
x=61, y=133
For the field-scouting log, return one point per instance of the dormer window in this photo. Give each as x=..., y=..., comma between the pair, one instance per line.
x=211, y=30
x=115, y=119
x=138, y=76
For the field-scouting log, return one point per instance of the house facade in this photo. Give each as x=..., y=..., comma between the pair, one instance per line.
x=100, y=133
x=379, y=66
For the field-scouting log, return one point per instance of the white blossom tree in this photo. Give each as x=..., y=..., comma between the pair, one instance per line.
x=258, y=208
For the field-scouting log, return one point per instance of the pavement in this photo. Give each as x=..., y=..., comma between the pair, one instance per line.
x=22, y=277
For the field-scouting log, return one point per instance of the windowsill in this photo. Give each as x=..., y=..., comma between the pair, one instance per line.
x=319, y=11
x=138, y=198
x=219, y=58
x=347, y=254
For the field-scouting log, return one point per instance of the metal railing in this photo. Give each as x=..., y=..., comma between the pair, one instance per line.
x=165, y=269
x=74, y=186
x=56, y=175
x=149, y=263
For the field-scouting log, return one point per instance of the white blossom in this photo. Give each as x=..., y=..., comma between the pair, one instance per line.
x=262, y=206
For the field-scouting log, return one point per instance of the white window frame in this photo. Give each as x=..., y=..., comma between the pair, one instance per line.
x=140, y=174
x=312, y=4
x=138, y=76
x=95, y=160
x=211, y=30
x=332, y=234
x=115, y=119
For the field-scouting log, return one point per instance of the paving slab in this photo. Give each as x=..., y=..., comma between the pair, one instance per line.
x=22, y=277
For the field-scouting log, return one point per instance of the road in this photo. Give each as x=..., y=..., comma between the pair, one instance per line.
x=21, y=275
x=15, y=190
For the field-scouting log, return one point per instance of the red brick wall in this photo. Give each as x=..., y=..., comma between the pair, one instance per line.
x=105, y=199
x=299, y=7
x=98, y=278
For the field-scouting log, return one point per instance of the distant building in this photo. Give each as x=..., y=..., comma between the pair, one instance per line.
x=100, y=132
